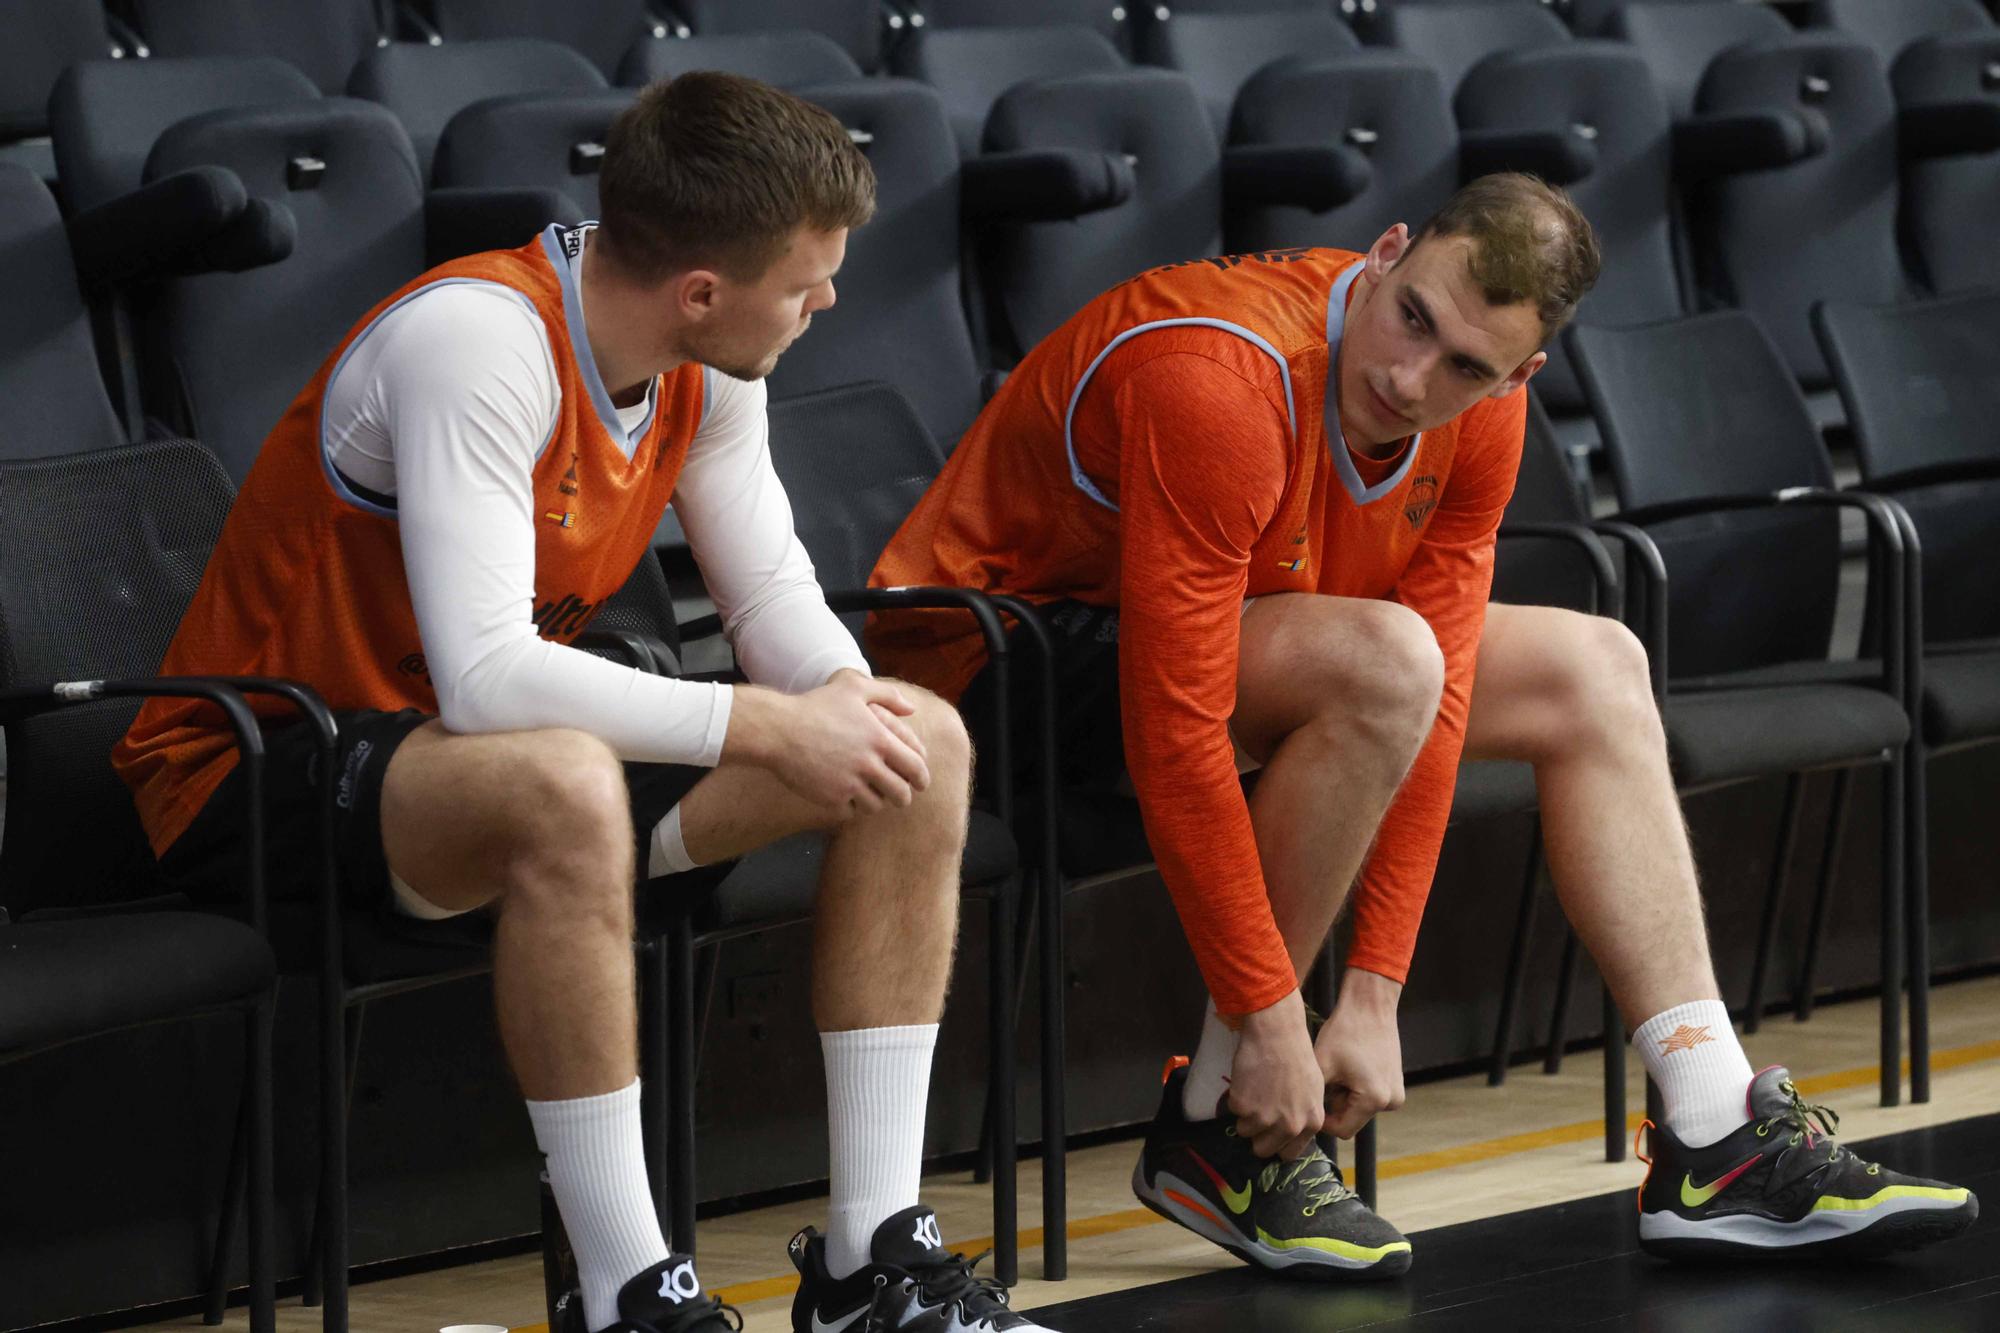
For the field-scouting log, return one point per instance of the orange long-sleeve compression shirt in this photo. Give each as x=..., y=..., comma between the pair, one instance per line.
x=1165, y=452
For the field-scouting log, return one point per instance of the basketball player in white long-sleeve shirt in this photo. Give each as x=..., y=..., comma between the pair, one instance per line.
x=481, y=463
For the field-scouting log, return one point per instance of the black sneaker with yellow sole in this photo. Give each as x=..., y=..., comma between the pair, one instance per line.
x=1780, y=1185
x=1296, y=1218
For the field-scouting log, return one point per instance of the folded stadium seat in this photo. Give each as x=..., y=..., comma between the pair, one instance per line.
x=1733, y=484
x=603, y=31
x=901, y=315
x=1680, y=39
x=791, y=59
x=52, y=396
x=1948, y=92
x=854, y=25
x=92, y=547
x=1388, y=106
x=1220, y=52
x=322, y=38
x=1921, y=394
x=971, y=66
x=427, y=85
x=44, y=38
x=106, y=115
x=1455, y=37
x=1774, y=242
x=539, y=140
x=1890, y=26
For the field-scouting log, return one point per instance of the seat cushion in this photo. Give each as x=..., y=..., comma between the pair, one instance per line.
x=61, y=980
x=1961, y=696
x=1727, y=735
x=1489, y=789
x=778, y=883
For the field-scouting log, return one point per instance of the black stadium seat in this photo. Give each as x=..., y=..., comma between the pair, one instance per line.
x=52, y=398
x=1950, y=199
x=425, y=86
x=1455, y=37
x=1221, y=52
x=971, y=67
x=1389, y=106
x=539, y=140
x=321, y=38
x=1111, y=19
x=44, y=37
x=899, y=316
x=1751, y=230
x=1679, y=40
x=1040, y=273
x=603, y=31
x=106, y=115
x=1891, y=26
x=788, y=59
x=854, y=25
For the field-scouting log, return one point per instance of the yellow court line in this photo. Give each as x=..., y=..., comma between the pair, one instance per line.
x=1410, y=1164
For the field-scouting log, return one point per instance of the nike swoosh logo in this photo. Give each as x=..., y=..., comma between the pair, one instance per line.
x=1237, y=1200
x=1693, y=1196
x=823, y=1326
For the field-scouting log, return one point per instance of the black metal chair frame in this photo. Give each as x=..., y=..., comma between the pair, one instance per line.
x=250, y=1168
x=678, y=970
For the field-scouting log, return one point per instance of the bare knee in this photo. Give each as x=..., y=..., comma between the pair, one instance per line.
x=1388, y=691
x=947, y=747
x=565, y=841
x=1605, y=684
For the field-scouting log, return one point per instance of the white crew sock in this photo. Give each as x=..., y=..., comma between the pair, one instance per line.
x=670, y=854
x=597, y=1168
x=877, y=1082
x=1692, y=1053
x=1208, y=1073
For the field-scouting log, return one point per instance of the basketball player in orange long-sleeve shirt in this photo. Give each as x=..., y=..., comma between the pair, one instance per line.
x=1257, y=497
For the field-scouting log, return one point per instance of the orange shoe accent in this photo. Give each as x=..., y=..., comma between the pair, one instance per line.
x=1185, y=1202
x=1639, y=1134
x=1173, y=1062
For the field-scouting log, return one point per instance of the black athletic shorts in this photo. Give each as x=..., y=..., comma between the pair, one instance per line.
x=1090, y=737
x=206, y=862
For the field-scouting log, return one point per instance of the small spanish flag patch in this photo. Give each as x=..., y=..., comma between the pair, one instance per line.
x=560, y=518
x=1293, y=565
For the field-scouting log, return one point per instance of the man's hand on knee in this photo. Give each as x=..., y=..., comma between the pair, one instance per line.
x=1361, y=1054
x=846, y=746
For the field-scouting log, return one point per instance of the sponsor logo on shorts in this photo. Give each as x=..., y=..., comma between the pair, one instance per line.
x=350, y=774
x=563, y=618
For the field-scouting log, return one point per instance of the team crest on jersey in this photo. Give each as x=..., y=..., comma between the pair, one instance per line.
x=1423, y=498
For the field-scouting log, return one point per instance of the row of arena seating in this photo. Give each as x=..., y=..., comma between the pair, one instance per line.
x=1726, y=159
x=220, y=219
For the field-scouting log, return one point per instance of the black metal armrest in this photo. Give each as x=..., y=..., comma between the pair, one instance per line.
x=1727, y=145
x=1560, y=157
x=1044, y=184
x=1311, y=176
x=641, y=652
x=1604, y=579
x=1937, y=474
x=1646, y=569
x=24, y=701
x=1893, y=573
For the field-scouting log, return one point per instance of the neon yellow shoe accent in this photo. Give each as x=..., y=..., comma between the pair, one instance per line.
x=1344, y=1248
x=1238, y=1200
x=1888, y=1192
x=1693, y=1196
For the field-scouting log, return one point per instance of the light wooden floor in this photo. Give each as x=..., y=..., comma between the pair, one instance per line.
x=1457, y=1151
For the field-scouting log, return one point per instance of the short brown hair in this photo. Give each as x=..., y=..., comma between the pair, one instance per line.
x=716, y=170
x=1530, y=244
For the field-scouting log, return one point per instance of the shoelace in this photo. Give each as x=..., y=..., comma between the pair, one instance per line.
x=948, y=1282
x=1314, y=1174
x=1804, y=1118
x=698, y=1317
